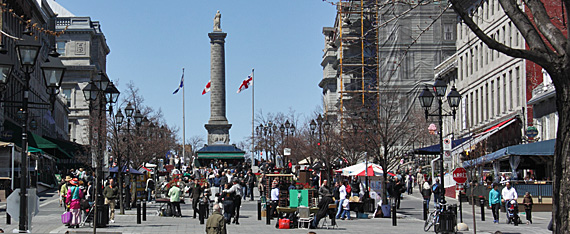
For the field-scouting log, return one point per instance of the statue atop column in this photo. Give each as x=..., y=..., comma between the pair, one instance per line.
x=217, y=22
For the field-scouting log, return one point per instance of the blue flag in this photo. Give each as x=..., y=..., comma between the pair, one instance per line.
x=181, y=83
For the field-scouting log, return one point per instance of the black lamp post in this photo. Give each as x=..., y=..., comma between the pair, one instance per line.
x=27, y=51
x=426, y=99
x=286, y=128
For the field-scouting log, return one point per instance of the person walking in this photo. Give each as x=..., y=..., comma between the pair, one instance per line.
x=228, y=202
x=399, y=188
x=426, y=192
x=495, y=202
x=174, y=195
x=216, y=223
x=63, y=191
x=110, y=193
x=436, y=189
x=73, y=199
x=251, y=180
x=195, y=194
x=527, y=202
x=236, y=190
x=149, y=189
x=342, y=194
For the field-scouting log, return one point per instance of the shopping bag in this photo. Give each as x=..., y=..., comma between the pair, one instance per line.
x=284, y=223
x=66, y=218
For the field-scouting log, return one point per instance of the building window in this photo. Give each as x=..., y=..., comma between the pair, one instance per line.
x=505, y=92
x=498, y=95
x=493, y=99
x=518, y=74
x=67, y=93
x=511, y=89
x=60, y=47
x=448, y=32
x=477, y=111
x=471, y=108
x=476, y=55
x=486, y=101
x=461, y=67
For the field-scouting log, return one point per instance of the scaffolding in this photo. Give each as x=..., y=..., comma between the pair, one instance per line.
x=356, y=35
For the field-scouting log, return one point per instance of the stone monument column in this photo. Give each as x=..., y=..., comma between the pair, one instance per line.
x=218, y=126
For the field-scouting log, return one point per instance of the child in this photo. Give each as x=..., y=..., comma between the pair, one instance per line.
x=527, y=201
x=345, y=206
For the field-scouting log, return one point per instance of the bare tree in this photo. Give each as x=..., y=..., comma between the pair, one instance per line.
x=548, y=45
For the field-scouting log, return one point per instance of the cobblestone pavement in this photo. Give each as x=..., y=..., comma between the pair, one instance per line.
x=409, y=221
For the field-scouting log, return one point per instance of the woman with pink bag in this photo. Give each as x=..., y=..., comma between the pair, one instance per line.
x=74, y=196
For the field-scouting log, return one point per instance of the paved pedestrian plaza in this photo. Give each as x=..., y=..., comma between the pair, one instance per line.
x=409, y=221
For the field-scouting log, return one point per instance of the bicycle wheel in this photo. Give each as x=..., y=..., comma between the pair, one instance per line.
x=429, y=222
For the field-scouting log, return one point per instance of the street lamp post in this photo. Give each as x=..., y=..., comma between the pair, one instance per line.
x=426, y=99
x=285, y=128
x=27, y=51
x=317, y=125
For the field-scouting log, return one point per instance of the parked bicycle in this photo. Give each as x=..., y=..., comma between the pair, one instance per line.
x=435, y=217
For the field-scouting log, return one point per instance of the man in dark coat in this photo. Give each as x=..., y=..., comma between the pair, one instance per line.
x=324, y=210
x=250, y=180
x=195, y=193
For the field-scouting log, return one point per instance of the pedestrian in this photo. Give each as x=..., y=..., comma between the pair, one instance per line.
x=261, y=185
x=436, y=189
x=399, y=188
x=149, y=189
x=420, y=179
x=110, y=193
x=90, y=192
x=426, y=192
x=228, y=202
x=495, y=202
x=251, y=180
x=174, y=194
x=345, y=206
x=342, y=194
x=324, y=189
x=73, y=199
x=274, y=197
x=355, y=185
x=236, y=190
x=410, y=183
x=527, y=202
x=216, y=223
x=195, y=194
x=63, y=191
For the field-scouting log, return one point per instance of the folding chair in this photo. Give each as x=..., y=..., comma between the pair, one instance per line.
x=304, y=217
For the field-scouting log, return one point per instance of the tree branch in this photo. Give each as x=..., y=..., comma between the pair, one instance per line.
x=540, y=56
x=546, y=27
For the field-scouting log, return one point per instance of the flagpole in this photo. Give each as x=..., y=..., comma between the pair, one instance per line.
x=183, y=122
x=252, y=119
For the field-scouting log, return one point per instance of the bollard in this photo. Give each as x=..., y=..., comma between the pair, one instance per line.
x=460, y=211
x=394, y=214
x=144, y=210
x=268, y=213
x=258, y=210
x=425, y=210
x=482, y=203
x=8, y=219
x=202, y=211
x=138, y=212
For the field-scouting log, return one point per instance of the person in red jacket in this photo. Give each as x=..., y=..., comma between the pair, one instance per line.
x=74, y=196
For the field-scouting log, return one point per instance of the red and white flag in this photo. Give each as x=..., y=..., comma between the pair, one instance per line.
x=246, y=83
x=207, y=89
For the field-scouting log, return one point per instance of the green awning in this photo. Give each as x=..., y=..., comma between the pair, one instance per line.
x=36, y=143
x=220, y=156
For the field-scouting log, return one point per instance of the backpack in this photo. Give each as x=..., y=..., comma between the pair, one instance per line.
x=435, y=188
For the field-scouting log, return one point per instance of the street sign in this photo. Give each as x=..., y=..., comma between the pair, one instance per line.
x=287, y=151
x=460, y=175
x=531, y=132
x=447, y=143
x=447, y=156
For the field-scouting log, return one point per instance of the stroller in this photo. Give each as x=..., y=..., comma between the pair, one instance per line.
x=513, y=212
x=87, y=209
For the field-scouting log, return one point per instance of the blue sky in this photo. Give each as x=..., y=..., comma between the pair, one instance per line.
x=151, y=41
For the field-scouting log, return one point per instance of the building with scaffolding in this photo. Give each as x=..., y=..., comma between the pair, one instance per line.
x=380, y=54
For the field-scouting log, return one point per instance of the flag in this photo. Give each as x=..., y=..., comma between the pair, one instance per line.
x=207, y=89
x=246, y=83
x=181, y=83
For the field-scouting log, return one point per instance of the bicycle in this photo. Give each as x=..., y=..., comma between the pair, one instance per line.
x=431, y=219
x=434, y=219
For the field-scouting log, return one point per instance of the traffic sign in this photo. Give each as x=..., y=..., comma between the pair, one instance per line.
x=447, y=143
x=460, y=175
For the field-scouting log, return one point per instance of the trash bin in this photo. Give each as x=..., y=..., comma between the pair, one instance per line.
x=447, y=222
x=102, y=216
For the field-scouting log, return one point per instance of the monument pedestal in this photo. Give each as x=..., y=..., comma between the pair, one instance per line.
x=218, y=133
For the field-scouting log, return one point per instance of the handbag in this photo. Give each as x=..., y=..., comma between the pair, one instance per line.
x=66, y=218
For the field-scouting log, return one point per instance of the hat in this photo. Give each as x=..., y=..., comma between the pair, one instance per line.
x=67, y=178
x=74, y=181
